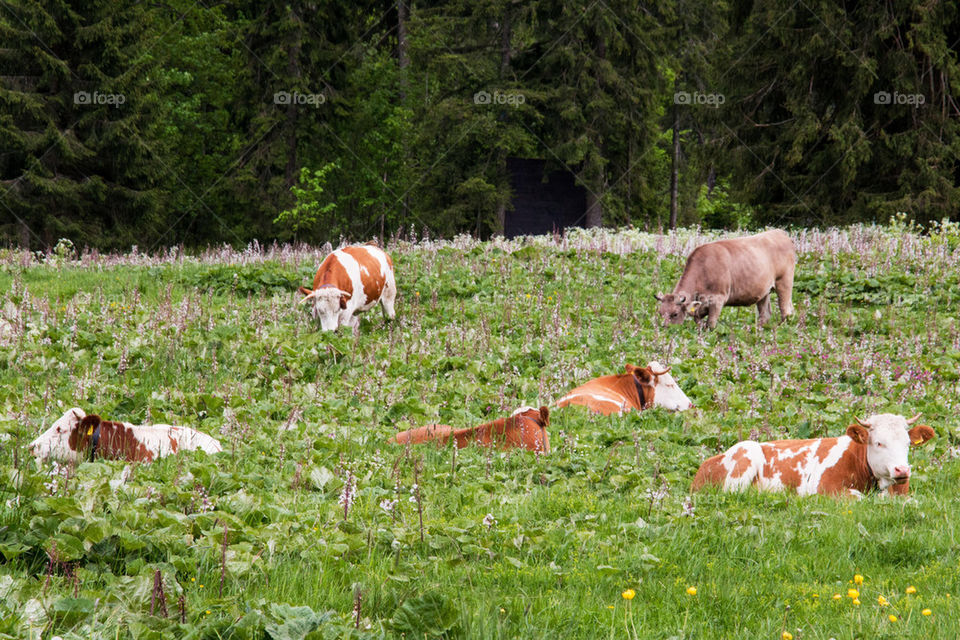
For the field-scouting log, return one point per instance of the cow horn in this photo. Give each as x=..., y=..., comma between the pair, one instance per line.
x=308, y=296
x=660, y=373
x=682, y=299
x=658, y=297
x=914, y=418
x=861, y=422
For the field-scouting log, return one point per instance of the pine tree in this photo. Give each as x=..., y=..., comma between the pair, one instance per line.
x=79, y=153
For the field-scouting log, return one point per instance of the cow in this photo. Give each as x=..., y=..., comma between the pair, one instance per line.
x=736, y=272
x=77, y=435
x=638, y=388
x=525, y=428
x=873, y=455
x=351, y=280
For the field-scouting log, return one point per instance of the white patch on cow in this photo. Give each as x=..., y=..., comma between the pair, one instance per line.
x=358, y=301
x=54, y=442
x=667, y=393
x=754, y=454
x=522, y=409
x=813, y=468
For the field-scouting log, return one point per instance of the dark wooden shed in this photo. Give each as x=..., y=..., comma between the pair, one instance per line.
x=542, y=202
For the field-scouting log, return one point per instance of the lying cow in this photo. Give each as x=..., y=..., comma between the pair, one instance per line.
x=77, y=435
x=639, y=388
x=873, y=455
x=525, y=428
x=736, y=272
x=351, y=280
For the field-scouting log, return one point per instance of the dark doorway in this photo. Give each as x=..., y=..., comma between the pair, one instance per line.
x=542, y=206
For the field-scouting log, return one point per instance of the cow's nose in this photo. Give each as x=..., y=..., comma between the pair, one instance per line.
x=901, y=472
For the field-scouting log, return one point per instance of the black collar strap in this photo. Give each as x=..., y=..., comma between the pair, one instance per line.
x=643, y=398
x=94, y=443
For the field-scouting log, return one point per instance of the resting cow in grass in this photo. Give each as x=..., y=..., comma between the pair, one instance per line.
x=77, y=435
x=873, y=455
x=638, y=388
x=736, y=272
x=351, y=280
x=526, y=428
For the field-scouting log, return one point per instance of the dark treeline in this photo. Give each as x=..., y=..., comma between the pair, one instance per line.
x=155, y=124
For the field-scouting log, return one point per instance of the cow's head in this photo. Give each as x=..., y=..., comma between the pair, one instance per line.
x=327, y=303
x=888, y=441
x=675, y=307
x=62, y=440
x=538, y=439
x=658, y=387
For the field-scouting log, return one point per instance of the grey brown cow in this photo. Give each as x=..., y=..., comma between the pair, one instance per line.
x=736, y=272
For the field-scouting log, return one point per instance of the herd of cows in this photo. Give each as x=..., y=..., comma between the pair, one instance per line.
x=873, y=455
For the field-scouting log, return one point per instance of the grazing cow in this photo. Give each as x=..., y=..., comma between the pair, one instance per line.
x=873, y=454
x=639, y=388
x=525, y=428
x=351, y=280
x=77, y=434
x=736, y=272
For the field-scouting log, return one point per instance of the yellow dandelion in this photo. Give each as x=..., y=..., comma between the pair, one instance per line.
x=816, y=595
x=856, y=602
x=691, y=591
x=528, y=295
x=927, y=612
x=502, y=610
x=911, y=590
x=628, y=594
x=882, y=601
x=201, y=586
x=609, y=606
x=786, y=635
x=858, y=579
x=853, y=593
x=837, y=596
x=208, y=611
x=892, y=618
x=193, y=579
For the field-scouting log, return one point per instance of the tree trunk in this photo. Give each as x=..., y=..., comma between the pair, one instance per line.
x=594, y=209
x=293, y=73
x=675, y=167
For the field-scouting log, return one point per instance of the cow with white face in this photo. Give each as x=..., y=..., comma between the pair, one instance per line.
x=77, y=436
x=351, y=280
x=873, y=455
x=638, y=388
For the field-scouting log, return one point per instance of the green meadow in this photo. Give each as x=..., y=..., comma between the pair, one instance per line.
x=311, y=525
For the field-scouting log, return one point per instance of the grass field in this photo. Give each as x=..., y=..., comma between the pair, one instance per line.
x=256, y=542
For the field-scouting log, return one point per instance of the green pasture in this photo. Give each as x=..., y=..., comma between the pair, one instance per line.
x=255, y=542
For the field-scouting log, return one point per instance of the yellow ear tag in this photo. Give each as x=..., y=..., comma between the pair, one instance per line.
x=89, y=431
x=918, y=442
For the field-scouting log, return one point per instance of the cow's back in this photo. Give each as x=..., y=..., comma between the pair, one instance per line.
x=600, y=395
x=369, y=269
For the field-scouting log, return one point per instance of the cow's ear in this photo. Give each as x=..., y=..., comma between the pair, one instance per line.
x=858, y=433
x=545, y=416
x=645, y=376
x=693, y=307
x=343, y=301
x=920, y=434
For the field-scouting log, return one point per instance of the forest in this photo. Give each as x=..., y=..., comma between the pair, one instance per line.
x=188, y=123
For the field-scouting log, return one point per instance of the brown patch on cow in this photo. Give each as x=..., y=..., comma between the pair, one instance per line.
x=330, y=273
x=711, y=473
x=634, y=388
x=439, y=433
x=174, y=443
x=118, y=442
x=82, y=435
x=920, y=434
x=824, y=449
x=742, y=463
x=370, y=274
x=850, y=471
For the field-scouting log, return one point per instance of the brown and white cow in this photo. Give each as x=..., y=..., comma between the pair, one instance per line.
x=638, y=388
x=351, y=280
x=873, y=454
x=77, y=435
x=735, y=272
x=525, y=428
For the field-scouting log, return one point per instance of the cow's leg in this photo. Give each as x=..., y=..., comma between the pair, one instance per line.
x=784, y=287
x=763, y=309
x=388, y=297
x=713, y=314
